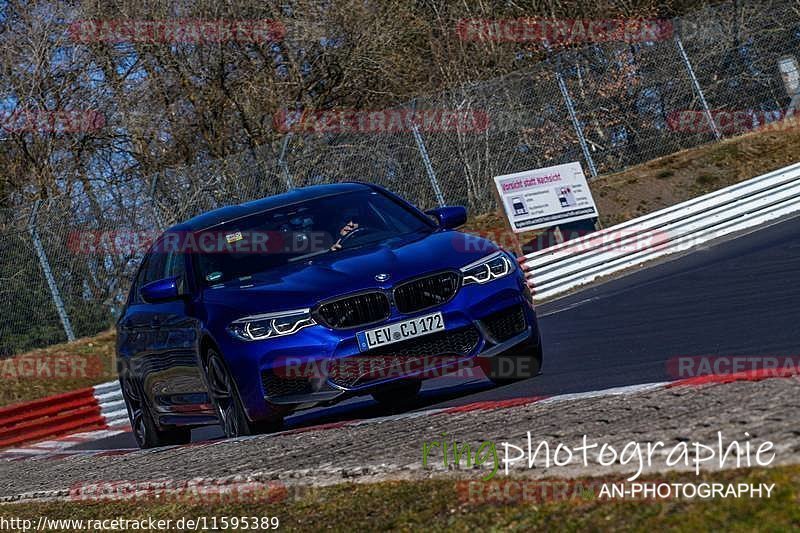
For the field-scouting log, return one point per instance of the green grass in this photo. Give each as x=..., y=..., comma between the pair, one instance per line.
x=437, y=505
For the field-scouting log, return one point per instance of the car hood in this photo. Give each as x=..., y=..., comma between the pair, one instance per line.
x=304, y=283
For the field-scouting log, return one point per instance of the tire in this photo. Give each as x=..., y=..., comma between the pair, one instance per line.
x=400, y=394
x=145, y=430
x=521, y=362
x=226, y=401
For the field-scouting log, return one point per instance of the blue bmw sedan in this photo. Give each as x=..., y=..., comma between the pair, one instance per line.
x=247, y=313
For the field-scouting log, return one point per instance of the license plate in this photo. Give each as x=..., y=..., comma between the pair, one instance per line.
x=399, y=331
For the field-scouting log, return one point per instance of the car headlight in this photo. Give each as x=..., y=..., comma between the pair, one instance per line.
x=485, y=270
x=255, y=328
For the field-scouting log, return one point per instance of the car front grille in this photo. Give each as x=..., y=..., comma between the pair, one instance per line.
x=426, y=292
x=275, y=386
x=426, y=352
x=506, y=323
x=354, y=311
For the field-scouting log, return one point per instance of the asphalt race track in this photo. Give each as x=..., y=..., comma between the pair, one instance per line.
x=738, y=298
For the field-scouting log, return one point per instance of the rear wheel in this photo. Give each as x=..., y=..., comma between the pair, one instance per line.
x=145, y=430
x=399, y=394
x=225, y=398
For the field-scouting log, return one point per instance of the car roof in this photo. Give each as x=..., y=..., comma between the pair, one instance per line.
x=233, y=212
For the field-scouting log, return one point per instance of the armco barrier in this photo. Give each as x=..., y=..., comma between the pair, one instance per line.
x=743, y=206
x=112, y=406
x=87, y=409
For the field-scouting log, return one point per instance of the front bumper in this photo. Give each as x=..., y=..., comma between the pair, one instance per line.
x=296, y=370
x=333, y=393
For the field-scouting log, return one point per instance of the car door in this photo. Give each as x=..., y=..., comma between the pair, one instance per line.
x=177, y=386
x=172, y=380
x=139, y=325
x=133, y=328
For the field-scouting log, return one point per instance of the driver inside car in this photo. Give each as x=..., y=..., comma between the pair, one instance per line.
x=349, y=226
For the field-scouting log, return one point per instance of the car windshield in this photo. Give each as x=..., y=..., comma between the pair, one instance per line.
x=279, y=236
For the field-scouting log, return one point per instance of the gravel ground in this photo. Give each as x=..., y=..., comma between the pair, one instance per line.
x=392, y=449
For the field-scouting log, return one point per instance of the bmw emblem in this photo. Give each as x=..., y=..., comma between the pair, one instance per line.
x=382, y=277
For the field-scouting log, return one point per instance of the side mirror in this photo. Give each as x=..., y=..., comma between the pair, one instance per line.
x=162, y=290
x=449, y=216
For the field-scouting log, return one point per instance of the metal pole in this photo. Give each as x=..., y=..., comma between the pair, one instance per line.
x=793, y=105
x=575, y=123
x=282, y=162
x=790, y=73
x=427, y=162
x=48, y=274
x=696, y=86
x=153, y=206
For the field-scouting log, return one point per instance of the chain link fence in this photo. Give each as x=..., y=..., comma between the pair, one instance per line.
x=67, y=262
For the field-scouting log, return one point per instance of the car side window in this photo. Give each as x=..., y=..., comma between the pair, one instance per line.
x=138, y=281
x=156, y=267
x=176, y=265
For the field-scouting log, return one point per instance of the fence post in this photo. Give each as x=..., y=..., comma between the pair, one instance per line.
x=48, y=274
x=575, y=123
x=153, y=206
x=282, y=162
x=427, y=162
x=696, y=86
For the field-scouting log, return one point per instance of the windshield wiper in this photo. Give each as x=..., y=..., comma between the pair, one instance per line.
x=306, y=256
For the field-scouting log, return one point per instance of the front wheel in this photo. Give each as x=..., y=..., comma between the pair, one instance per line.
x=225, y=399
x=145, y=430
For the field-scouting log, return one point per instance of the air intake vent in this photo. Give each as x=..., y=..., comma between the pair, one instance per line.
x=426, y=292
x=354, y=311
x=275, y=386
x=504, y=324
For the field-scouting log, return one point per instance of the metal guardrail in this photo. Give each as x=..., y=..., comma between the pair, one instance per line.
x=676, y=229
x=50, y=417
x=112, y=405
x=89, y=409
